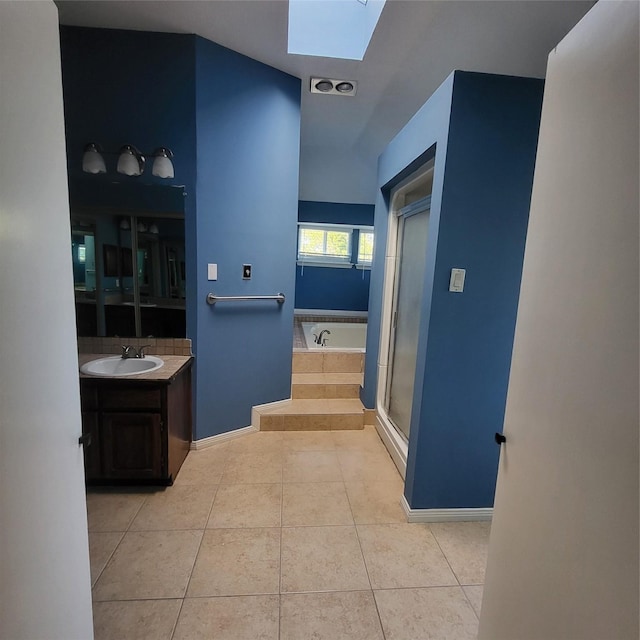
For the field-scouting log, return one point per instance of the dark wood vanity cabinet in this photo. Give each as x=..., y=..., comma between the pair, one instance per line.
x=140, y=429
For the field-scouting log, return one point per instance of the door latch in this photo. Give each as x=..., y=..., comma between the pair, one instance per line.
x=84, y=439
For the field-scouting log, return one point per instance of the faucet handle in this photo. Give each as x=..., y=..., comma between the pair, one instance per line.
x=125, y=350
x=141, y=353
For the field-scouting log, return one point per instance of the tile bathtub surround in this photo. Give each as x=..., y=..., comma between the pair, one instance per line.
x=157, y=346
x=281, y=536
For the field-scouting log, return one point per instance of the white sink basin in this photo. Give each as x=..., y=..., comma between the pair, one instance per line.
x=115, y=366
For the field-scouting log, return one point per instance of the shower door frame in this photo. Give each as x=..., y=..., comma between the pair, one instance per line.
x=394, y=441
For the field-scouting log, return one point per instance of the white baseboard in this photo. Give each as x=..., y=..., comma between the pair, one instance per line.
x=336, y=313
x=445, y=515
x=204, y=443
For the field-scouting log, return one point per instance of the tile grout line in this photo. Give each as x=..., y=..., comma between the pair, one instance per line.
x=280, y=563
x=462, y=586
x=124, y=533
x=193, y=566
x=455, y=575
x=364, y=561
x=444, y=555
x=108, y=559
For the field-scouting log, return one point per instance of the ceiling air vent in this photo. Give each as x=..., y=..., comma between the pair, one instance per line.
x=333, y=87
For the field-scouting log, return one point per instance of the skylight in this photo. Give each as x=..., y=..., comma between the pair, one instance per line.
x=332, y=28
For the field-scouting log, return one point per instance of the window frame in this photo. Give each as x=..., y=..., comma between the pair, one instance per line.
x=365, y=264
x=323, y=260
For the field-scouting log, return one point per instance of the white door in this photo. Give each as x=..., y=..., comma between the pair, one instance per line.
x=45, y=586
x=413, y=228
x=563, y=555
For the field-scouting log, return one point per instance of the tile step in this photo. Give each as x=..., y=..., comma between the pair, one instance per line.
x=315, y=407
x=328, y=362
x=312, y=415
x=325, y=385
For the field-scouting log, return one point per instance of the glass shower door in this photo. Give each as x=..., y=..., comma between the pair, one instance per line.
x=413, y=226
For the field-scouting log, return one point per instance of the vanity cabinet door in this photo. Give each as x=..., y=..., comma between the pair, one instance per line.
x=132, y=446
x=92, y=467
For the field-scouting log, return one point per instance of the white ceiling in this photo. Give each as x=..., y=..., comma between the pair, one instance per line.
x=415, y=46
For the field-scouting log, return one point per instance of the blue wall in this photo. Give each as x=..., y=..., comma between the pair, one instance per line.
x=424, y=136
x=331, y=287
x=236, y=156
x=248, y=155
x=479, y=219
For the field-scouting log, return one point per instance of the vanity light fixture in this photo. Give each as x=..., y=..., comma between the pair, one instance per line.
x=131, y=161
x=92, y=160
x=162, y=165
x=333, y=87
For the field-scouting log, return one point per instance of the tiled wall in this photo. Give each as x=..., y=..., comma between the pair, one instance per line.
x=309, y=318
x=157, y=346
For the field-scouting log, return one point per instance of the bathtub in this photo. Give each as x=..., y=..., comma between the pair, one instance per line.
x=343, y=336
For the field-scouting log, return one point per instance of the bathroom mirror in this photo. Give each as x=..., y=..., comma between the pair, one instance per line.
x=129, y=274
x=84, y=276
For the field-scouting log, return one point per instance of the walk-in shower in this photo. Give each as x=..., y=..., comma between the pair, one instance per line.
x=405, y=262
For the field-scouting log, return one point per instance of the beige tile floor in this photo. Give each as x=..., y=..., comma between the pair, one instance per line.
x=281, y=536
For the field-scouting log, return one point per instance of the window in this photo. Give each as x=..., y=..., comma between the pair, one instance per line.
x=82, y=253
x=324, y=244
x=334, y=245
x=365, y=248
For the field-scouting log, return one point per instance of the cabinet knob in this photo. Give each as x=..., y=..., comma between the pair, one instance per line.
x=500, y=438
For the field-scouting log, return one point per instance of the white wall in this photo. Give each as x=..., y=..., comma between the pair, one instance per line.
x=563, y=557
x=45, y=590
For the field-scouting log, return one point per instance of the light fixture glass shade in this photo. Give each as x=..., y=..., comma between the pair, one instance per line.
x=130, y=161
x=162, y=165
x=153, y=228
x=92, y=160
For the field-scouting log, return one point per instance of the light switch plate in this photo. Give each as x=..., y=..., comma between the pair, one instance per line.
x=212, y=271
x=246, y=272
x=456, y=283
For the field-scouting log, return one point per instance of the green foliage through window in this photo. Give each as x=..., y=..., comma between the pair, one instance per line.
x=335, y=245
x=365, y=247
x=324, y=244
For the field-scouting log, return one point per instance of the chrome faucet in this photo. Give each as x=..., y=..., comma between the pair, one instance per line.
x=131, y=352
x=128, y=352
x=319, y=339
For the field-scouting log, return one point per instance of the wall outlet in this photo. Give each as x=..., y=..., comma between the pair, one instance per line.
x=246, y=272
